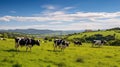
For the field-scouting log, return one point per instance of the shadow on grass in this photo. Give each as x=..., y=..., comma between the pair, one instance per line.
x=10, y=50
x=17, y=65
x=13, y=50
x=54, y=50
x=58, y=64
x=79, y=59
x=96, y=47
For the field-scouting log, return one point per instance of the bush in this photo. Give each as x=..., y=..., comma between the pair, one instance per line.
x=95, y=37
x=110, y=37
x=100, y=37
x=79, y=39
x=115, y=43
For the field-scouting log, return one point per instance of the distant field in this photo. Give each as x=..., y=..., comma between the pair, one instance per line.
x=104, y=33
x=44, y=56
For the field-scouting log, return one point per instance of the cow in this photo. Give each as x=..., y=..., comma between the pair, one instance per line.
x=62, y=44
x=2, y=39
x=77, y=43
x=98, y=43
x=29, y=43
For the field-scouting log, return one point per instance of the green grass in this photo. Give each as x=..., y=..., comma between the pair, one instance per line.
x=73, y=56
x=104, y=33
x=0, y=34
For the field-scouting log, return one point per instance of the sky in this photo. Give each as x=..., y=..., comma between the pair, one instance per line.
x=59, y=14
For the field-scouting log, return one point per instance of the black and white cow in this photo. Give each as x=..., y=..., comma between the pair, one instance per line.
x=77, y=43
x=98, y=43
x=2, y=39
x=62, y=44
x=29, y=43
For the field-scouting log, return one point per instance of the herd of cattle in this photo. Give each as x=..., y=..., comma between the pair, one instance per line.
x=58, y=43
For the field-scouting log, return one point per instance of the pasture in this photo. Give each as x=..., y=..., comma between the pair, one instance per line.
x=104, y=33
x=72, y=56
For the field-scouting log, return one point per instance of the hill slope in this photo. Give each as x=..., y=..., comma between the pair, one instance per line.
x=115, y=33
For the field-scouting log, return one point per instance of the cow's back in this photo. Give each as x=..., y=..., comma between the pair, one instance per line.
x=22, y=42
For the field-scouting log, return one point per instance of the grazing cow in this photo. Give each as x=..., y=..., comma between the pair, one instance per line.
x=98, y=42
x=77, y=43
x=29, y=43
x=62, y=44
x=2, y=39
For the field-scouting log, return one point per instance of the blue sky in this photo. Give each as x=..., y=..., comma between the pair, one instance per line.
x=59, y=14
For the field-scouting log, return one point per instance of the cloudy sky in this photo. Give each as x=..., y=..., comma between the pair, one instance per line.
x=59, y=14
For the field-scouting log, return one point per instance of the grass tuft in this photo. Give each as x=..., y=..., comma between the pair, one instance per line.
x=48, y=65
x=80, y=60
x=61, y=64
x=17, y=65
x=108, y=56
x=5, y=60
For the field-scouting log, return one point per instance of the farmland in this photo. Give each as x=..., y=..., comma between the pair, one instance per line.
x=72, y=56
x=60, y=33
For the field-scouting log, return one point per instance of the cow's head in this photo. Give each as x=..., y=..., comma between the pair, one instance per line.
x=37, y=42
x=104, y=41
x=67, y=44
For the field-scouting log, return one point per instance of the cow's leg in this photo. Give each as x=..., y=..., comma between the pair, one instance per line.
x=93, y=45
x=99, y=45
x=30, y=46
x=74, y=44
x=60, y=46
x=26, y=48
x=63, y=47
x=102, y=44
x=55, y=46
x=17, y=46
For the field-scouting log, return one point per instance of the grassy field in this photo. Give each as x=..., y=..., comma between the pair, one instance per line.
x=104, y=33
x=73, y=56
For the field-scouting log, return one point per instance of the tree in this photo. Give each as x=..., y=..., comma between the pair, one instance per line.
x=5, y=35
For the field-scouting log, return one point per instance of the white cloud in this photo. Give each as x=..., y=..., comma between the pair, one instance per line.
x=6, y=18
x=12, y=11
x=61, y=20
x=63, y=16
x=67, y=8
x=50, y=7
x=56, y=22
x=55, y=13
